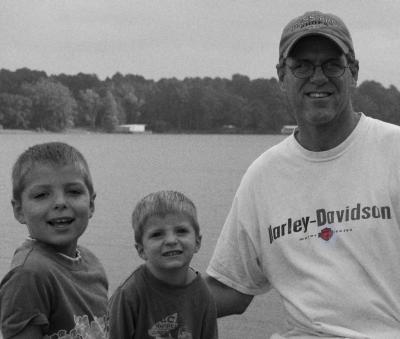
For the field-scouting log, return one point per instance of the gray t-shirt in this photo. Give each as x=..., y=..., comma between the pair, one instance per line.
x=144, y=307
x=61, y=295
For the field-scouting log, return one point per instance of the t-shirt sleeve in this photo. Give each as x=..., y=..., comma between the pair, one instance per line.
x=236, y=258
x=24, y=301
x=121, y=314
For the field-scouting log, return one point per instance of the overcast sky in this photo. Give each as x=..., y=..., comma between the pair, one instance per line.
x=184, y=38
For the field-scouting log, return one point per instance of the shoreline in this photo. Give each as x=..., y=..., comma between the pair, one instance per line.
x=172, y=132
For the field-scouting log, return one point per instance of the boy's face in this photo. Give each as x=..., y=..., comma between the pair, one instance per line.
x=55, y=205
x=168, y=245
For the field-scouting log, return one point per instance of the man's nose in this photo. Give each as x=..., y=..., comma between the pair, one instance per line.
x=318, y=76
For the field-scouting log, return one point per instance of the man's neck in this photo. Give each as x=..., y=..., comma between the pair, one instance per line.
x=326, y=137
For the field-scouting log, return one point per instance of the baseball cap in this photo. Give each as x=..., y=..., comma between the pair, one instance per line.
x=315, y=23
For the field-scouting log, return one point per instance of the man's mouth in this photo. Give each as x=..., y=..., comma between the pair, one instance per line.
x=318, y=95
x=171, y=253
x=60, y=222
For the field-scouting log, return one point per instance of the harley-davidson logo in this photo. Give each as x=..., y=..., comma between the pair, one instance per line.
x=325, y=234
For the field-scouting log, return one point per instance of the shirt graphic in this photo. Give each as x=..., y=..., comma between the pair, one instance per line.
x=327, y=218
x=84, y=329
x=168, y=328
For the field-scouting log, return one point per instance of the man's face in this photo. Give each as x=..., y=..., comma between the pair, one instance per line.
x=317, y=100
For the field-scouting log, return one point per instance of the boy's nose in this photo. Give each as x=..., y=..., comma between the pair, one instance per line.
x=170, y=238
x=59, y=201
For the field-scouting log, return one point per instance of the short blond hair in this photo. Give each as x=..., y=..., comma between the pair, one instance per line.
x=50, y=153
x=160, y=204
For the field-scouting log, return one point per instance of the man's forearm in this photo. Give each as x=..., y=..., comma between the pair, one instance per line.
x=228, y=300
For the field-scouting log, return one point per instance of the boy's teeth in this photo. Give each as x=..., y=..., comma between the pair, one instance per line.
x=172, y=253
x=60, y=221
x=318, y=95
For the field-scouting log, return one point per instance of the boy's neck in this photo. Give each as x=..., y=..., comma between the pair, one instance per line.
x=77, y=256
x=172, y=277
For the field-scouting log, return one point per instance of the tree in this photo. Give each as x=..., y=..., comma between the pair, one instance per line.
x=15, y=111
x=79, y=82
x=376, y=101
x=125, y=95
x=11, y=82
x=53, y=107
x=109, y=113
x=89, y=108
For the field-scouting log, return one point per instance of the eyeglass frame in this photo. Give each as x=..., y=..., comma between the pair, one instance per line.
x=314, y=67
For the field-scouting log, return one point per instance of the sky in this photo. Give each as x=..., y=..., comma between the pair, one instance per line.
x=184, y=38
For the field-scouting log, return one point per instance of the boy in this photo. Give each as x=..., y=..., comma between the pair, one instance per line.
x=55, y=288
x=164, y=297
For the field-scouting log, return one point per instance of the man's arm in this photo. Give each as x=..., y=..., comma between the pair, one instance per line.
x=228, y=300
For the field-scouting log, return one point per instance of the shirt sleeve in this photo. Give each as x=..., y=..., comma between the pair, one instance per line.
x=24, y=301
x=236, y=259
x=121, y=315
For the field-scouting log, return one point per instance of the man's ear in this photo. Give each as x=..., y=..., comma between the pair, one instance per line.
x=281, y=75
x=354, y=78
x=282, y=85
x=18, y=212
x=91, y=204
x=354, y=67
x=140, y=250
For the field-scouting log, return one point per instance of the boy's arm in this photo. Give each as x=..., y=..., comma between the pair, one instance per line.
x=24, y=302
x=120, y=316
x=228, y=300
x=30, y=332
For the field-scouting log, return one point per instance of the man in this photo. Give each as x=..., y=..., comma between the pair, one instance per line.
x=316, y=216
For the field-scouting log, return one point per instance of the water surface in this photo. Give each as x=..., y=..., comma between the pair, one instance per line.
x=124, y=167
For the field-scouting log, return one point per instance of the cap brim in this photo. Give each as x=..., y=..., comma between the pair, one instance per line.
x=335, y=39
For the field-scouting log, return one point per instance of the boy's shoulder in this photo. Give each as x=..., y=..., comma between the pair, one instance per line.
x=30, y=266
x=38, y=257
x=135, y=280
x=132, y=288
x=30, y=256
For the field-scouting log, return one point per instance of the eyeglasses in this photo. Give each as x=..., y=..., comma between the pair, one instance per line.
x=303, y=69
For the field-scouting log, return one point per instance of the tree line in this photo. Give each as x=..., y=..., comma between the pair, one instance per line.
x=31, y=99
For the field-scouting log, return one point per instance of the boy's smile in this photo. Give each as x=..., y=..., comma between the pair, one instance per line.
x=168, y=245
x=55, y=205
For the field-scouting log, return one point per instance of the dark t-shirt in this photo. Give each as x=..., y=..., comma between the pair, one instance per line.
x=61, y=295
x=144, y=307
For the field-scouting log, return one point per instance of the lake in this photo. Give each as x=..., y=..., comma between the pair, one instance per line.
x=125, y=167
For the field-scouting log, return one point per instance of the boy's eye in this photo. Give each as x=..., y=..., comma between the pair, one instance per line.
x=75, y=191
x=39, y=195
x=155, y=234
x=182, y=230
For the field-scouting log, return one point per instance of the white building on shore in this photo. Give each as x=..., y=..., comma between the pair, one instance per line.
x=131, y=128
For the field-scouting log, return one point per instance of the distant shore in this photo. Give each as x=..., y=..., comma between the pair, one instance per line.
x=87, y=131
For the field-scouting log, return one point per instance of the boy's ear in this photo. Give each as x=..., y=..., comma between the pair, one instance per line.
x=18, y=212
x=91, y=204
x=140, y=250
x=198, y=243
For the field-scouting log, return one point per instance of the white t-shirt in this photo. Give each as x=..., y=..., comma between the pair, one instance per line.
x=322, y=228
